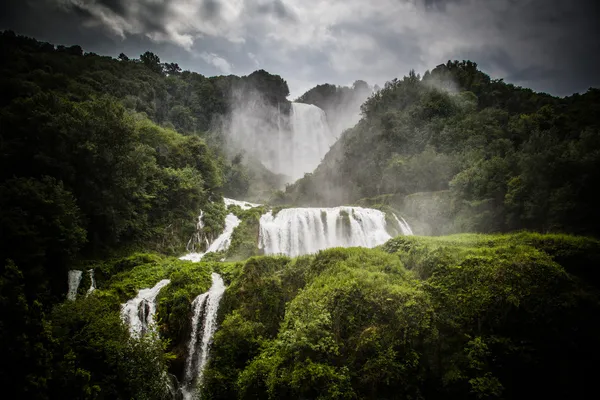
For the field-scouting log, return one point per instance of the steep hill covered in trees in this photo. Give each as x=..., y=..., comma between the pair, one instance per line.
x=458, y=151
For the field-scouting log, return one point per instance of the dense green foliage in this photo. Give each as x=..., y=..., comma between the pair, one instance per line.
x=466, y=316
x=82, y=349
x=245, y=237
x=100, y=157
x=510, y=158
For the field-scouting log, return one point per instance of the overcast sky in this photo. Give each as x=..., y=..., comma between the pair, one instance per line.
x=548, y=45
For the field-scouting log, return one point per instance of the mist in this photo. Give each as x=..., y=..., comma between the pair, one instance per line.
x=290, y=139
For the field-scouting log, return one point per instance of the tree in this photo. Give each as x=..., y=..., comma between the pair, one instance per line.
x=171, y=68
x=151, y=61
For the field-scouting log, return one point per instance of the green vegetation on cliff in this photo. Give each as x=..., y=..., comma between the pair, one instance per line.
x=464, y=316
x=509, y=158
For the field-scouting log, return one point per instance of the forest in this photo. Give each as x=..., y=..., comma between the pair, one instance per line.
x=106, y=164
x=473, y=153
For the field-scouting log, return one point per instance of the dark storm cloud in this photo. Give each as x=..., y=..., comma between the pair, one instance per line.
x=117, y=6
x=211, y=8
x=549, y=45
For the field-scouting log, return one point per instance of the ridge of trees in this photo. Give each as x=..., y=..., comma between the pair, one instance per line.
x=508, y=157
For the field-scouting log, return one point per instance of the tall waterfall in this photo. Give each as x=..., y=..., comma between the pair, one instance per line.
x=290, y=144
x=309, y=142
x=74, y=280
x=204, y=325
x=297, y=231
x=139, y=312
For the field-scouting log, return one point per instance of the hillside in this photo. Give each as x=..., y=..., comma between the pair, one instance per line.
x=127, y=272
x=457, y=151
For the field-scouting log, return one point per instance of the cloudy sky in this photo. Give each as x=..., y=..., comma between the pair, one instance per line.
x=548, y=45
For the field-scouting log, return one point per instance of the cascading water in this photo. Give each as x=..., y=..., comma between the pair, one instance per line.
x=196, y=238
x=139, y=312
x=310, y=140
x=244, y=205
x=288, y=143
x=297, y=231
x=92, y=281
x=404, y=227
x=74, y=278
x=204, y=321
x=221, y=243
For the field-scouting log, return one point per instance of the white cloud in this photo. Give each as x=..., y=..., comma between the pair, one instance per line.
x=252, y=57
x=214, y=59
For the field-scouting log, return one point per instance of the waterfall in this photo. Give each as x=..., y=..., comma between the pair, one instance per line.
x=220, y=243
x=196, y=237
x=309, y=142
x=297, y=231
x=244, y=205
x=204, y=322
x=404, y=227
x=139, y=312
x=92, y=281
x=74, y=278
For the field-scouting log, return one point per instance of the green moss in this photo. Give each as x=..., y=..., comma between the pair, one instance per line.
x=244, y=240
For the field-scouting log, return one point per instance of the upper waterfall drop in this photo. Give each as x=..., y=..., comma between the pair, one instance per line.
x=310, y=140
x=298, y=231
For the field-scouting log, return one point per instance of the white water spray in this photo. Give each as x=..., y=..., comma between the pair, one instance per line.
x=244, y=205
x=74, y=280
x=139, y=312
x=297, y=231
x=310, y=140
x=92, y=281
x=404, y=227
x=221, y=243
x=291, y=145
x=204, y=320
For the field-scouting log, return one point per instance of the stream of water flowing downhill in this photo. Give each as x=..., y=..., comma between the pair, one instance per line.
x=138, y=313
x=204, y=325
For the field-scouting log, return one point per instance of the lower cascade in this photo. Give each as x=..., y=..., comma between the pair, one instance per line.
x=297, y=231
x=139, y=312
x=74, y=280
x=204, y=325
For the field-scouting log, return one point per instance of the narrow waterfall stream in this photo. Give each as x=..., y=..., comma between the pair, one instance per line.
x=223, y=241
x=204, y=325
x=74, y=278
x=139, y=312
x=220, y=243
x=92, y=281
